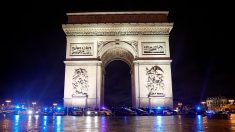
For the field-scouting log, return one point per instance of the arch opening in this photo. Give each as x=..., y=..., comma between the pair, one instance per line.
x=117, y=87
x=117, y=65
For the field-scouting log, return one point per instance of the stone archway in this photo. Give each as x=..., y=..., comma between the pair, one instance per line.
x=141, y=39
x=117, y=88
x=117, y=53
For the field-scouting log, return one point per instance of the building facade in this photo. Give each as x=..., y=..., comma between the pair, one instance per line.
x=141, y=39
x=216, y=102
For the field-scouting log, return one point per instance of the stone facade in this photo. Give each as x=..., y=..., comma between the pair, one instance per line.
x=216, y=102
x=143, y=46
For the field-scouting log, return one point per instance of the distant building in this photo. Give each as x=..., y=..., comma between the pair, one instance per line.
x=216, y=102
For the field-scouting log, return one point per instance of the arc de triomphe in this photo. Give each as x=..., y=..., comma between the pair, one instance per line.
x=141, y=39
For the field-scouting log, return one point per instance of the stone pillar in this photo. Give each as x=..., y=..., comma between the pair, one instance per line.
x=82, y=83
x=154, y=83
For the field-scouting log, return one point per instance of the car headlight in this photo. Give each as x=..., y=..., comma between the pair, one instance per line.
x=30, y=112
x=88, y=112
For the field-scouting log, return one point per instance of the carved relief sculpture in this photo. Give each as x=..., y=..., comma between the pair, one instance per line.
x=81, y=49
x=155, y=84
x=80, y=82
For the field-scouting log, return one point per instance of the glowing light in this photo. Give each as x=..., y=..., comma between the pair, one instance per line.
x=203, y=102
x=17, y=107
x=104, y=126
x=36, y=116
x=30, y=112
x=180, y=103
x=198, y=108
x=88, y=112
x=16, y=123
x=58, y=123
x=210, y=112
x=88, y=121
x=58, y=108
x=8, y=101
x=45, y=121
x=29, y=123
x=44, y=124
x=54, y=104
x=200, y=126
x=159, y=108
x=17, y=117
x=159, y=123
x=58, y=120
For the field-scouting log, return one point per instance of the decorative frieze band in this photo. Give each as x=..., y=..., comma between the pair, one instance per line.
x=117, y=29
x=133, y=44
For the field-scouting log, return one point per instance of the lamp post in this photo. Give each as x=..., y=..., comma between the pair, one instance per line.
x=203, y=103
x=180, y=104
x=8, y=102
x=34, y=103
x=54, y=104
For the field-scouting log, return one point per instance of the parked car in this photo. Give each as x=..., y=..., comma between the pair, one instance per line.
x=218, y=115
x=105, y=112
x=60, y=111
x=47, y=111
x=91, y=112
x=140, y=112
x=123, y=111
x=148, y=110
x=168, y=112
x=76, y=111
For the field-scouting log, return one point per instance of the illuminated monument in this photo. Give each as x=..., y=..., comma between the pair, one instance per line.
x=141, y=39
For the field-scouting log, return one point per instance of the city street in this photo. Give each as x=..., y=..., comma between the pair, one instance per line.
x=115, y=124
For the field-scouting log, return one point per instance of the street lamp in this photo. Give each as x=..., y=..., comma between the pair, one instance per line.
x=34, y=103
x=54, y=104
x=8, y=102
x=203, y=102
x=180, y=104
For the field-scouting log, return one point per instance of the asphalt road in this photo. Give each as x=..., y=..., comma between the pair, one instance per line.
x=37, y=123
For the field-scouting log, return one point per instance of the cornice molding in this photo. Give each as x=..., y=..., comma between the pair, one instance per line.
x=114, y=13
x=117, y=29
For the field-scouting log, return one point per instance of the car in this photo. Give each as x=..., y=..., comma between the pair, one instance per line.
x=76, y=111
x=105, y=112
x=123, y=111
x=140, y=112
x=168, y=112
x=158, y=110
x=91, y=112
x=47, y=111
x=219, y=115
x=148, y=110
x=60, y=111
x=8, y=111
x=21, y=112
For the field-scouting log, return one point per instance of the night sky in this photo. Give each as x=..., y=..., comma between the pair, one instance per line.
x=33, y=47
